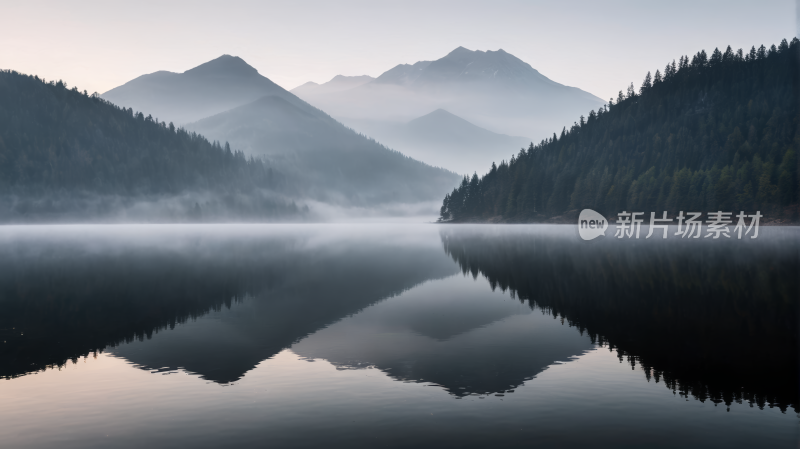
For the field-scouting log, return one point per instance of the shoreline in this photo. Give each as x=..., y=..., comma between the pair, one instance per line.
x=571, y=218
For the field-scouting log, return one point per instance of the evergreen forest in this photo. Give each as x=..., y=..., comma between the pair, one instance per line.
x=706, y=133
x=65, y=154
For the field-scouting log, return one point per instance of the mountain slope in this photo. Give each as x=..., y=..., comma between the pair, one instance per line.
x=716, y=133
x=445, y=140
x=334, y=163
x=440, y=125
x=403, y=74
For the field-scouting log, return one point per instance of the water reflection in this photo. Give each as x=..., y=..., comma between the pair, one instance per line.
x=71, y=292
x=453, y=333
x=717, y=320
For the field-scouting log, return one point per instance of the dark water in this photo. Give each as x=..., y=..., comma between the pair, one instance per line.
x=395, y=336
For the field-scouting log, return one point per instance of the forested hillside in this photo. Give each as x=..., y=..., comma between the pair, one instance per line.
x=709, y=133
x=67, y=155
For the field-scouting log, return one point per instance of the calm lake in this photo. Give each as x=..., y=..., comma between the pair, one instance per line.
x=395, y=336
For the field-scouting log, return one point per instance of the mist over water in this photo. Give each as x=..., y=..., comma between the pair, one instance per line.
x=200, y=257
x=303, y=335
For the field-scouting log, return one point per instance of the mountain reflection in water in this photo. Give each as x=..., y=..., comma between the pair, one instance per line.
x=714, y=320
x=451, y=333
x=67, y=295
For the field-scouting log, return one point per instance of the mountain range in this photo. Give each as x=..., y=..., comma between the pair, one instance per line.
x=460, y=112
x=493, y=90
x=228, y=100
x=437, y=117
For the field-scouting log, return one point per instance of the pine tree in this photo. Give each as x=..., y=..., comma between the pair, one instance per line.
x=646, y=84
x=752, y=55
x=716, y=57
x=728, y=56
x=631, y=92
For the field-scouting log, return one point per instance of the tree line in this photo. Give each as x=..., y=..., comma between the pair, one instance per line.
x=709, y=133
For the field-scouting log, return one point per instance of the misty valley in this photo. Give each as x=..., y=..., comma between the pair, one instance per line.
x=433, y=248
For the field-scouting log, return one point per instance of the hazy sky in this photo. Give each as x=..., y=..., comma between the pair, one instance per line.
x=599, y=46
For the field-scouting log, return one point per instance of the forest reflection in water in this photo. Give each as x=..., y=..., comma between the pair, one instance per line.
x=712, y=320
x=81, y=290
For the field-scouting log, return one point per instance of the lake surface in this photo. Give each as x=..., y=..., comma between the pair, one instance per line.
x=395, y=336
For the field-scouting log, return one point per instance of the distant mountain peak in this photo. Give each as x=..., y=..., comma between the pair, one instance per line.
x=341, y=78
x=491, y=68
x=460, y=50
x=307, y=84
x=442, y=113
x=499, y=56
x=208, y=89
x=467, y=52
x=443, y=117
x=224, y=65
x=337, y=83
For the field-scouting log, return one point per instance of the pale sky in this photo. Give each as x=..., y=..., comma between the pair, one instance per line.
x=598, y=46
